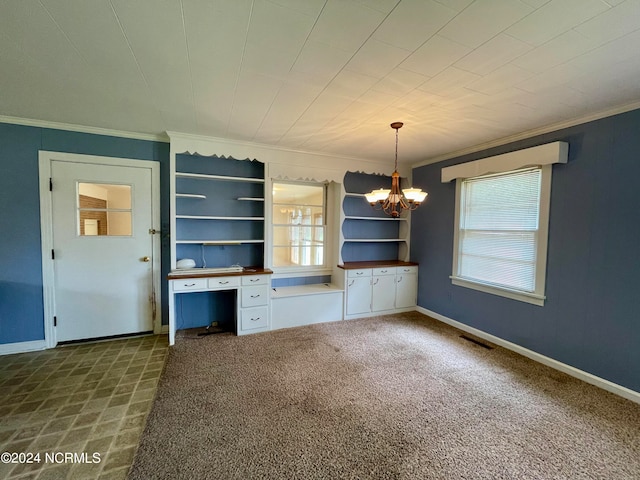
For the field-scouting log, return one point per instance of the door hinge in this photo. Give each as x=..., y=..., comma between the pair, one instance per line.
x=55, y=321
x=50, y=184
x=53, y=254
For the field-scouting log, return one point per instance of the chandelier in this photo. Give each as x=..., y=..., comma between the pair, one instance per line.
x=393, y=201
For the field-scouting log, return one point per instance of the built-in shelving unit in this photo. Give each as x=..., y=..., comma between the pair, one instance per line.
x=219, y=211
x=368, y=234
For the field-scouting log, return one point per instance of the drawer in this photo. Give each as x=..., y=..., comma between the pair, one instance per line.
x=384, y=271
x=364, y=272
x=255, y=280
x=252, y=318
x=410, y=269
x=254, y=296
x=187, y=284
x=224, y=282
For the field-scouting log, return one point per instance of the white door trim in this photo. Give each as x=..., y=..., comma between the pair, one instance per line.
x=46, y=230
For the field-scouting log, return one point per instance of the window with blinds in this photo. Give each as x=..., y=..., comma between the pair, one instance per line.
x=500, y=239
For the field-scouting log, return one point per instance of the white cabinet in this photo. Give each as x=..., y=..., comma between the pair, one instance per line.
x=383, y=289
x=379, y=289
x=406, y=287
x=358, y=298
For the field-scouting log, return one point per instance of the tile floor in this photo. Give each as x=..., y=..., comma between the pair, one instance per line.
x=88, y=398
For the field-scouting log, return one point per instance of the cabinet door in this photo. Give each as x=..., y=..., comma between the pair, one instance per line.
x=384, y=293
x=406, y=290
x=358, y=295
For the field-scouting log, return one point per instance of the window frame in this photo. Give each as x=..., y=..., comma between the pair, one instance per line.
x=538, y=296
x=301, y=270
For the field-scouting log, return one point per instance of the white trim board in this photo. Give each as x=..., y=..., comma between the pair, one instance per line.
x=69, y=127
x=549, y=362
x=21, y=347
x=547, y=154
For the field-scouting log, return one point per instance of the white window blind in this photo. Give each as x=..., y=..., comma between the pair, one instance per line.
x=499, y=229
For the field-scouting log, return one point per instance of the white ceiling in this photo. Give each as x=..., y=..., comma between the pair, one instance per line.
x=320, y=75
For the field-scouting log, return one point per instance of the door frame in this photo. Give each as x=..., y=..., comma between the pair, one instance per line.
x=46, y=230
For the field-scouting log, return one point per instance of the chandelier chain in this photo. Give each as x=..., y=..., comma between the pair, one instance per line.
x=396, y=164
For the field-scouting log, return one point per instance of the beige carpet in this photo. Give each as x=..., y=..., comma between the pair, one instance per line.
x=394, y=397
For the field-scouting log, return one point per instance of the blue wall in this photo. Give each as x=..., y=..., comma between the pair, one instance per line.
x=21, y=303
x=591, y=318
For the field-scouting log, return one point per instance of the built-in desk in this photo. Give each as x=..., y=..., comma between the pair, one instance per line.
x=252, y=286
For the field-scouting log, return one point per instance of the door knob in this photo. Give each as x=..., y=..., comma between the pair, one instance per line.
x=146, y=259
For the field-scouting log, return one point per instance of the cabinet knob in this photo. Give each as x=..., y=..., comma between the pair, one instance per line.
x=146, y=259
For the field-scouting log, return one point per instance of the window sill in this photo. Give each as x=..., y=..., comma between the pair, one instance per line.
x=531, y=298
x=294, y=272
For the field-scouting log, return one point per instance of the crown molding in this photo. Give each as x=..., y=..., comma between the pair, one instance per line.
x=276, y=148
x=532, y=133
x=83, y=129
x=273, y=155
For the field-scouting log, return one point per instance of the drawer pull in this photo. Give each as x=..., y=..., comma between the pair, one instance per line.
x=223, y=283
x=255, y=319
x=254, y=279
x=189, y=285
x=384, y=271
x=358, y=273
x=254, y=296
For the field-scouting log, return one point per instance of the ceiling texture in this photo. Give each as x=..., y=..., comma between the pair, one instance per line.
x=320, y=75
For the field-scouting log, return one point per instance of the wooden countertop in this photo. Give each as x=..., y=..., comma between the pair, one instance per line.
x=375, y=263
x=193, y=273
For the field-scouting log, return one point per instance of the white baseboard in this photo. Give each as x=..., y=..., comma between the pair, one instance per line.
x=21, y=347
x=550, y=362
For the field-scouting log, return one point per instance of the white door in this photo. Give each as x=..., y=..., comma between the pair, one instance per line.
x=384, y=293
x=358, y=295
x=406, y=290
x=102, y=249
